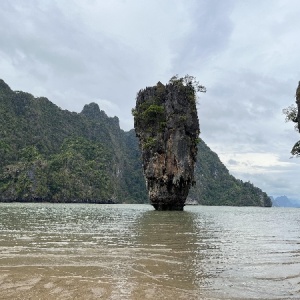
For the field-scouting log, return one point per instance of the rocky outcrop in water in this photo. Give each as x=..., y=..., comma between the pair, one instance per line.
x=166, y=123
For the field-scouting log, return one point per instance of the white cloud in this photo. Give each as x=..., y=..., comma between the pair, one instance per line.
x=110, y=108
x=254, y=163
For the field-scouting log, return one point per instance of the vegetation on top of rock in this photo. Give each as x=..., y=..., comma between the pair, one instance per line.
x=189, y=81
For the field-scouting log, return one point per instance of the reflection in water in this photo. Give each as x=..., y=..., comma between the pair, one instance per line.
x=171, y=261
x=133, y=252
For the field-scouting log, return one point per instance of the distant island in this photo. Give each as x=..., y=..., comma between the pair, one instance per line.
x=284, y=201
x=53, y=155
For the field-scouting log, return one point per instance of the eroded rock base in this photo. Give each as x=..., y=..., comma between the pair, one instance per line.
x=168, y=196
x=168, y=206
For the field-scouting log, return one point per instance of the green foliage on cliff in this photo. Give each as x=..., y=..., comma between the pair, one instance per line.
x=152, y=115
x=50, y=154
x=292, y=113
x=189, y=81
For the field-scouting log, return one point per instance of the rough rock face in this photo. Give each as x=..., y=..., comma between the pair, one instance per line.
x=298, y=104
x=296, y=147
x=166, y=123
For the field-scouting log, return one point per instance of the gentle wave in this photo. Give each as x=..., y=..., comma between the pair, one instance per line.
x=57, y=251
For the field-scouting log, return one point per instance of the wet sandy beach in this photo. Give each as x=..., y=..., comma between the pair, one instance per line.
x=132, y=252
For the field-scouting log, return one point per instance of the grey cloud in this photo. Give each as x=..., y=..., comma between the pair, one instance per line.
x=244, y=108
x=233, y=162
x=278, y=183
x=209, y=34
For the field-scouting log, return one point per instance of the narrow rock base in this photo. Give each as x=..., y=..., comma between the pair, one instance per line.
x=168, y=206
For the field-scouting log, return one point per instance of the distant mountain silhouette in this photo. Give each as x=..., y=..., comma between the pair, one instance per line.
x=284, y=201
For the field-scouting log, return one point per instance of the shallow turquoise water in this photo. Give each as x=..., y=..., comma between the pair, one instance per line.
x=78, y=251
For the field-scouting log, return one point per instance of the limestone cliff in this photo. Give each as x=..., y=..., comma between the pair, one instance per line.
x=296, y=147
x=298, y=105
x=166, y=123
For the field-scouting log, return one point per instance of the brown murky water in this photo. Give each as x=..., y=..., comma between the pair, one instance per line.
x=132, y=252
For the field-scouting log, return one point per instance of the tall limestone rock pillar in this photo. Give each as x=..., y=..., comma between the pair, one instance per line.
x=166, y=123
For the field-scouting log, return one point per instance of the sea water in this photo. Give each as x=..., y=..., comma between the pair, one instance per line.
x=85, y=251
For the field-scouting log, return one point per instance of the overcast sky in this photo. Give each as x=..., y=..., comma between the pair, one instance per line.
x=246, y=53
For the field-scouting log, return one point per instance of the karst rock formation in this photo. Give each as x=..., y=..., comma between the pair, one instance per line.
x=166, y=123
x=298, y=105
x=296, y=149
